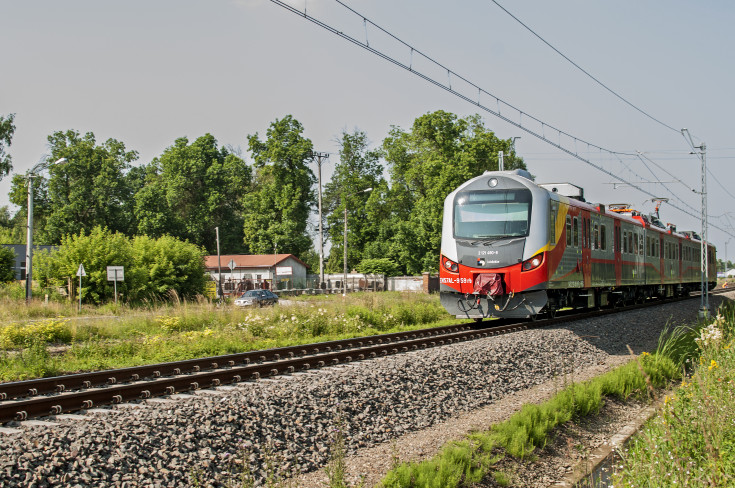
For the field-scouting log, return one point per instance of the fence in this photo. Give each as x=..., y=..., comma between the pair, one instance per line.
x=336, y=283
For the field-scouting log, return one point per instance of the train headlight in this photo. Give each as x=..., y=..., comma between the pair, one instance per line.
x=450, y=265
x=492, y=182
x=533, y=263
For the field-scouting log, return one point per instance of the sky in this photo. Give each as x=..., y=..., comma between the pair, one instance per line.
x=146, y=73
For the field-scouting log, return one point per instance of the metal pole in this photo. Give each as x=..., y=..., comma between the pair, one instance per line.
x=275, y=266
x=344, y=281
x=501, y=164
x=319, y=157
x=115, y=286
x=220, y=294
x=29, y=241
x=705, y=261
x=80, y=293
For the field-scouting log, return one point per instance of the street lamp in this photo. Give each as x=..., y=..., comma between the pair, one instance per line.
x=344, y=281
x=32, y=173
x=726, y=242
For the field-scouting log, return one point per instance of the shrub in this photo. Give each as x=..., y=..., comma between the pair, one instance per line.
x=44, y=331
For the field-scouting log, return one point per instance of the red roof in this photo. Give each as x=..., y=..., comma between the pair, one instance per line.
x=248, y=260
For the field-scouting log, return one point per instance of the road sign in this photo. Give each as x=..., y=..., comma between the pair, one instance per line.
x=232, y=264
x=211, y=289
x=116, y=273
x=80, y=271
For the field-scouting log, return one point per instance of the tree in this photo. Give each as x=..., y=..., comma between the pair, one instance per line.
x=90, y=189
x=277, y=210
x=7, y=129
x=190, y=190
x=153, y=267
x=382, y=266
x=358, y=169
x=439, y=153
x=7, y=264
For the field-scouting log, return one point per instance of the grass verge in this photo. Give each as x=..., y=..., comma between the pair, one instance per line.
x=185, y=330
x=471, y=460
x=692, y=440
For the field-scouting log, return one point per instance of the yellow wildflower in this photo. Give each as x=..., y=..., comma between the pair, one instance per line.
x=713, y=364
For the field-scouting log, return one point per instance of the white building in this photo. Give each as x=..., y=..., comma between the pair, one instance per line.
x=242, y=272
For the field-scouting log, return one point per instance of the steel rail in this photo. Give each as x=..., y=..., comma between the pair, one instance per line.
x=64, y=383
x=225, y=370
x=84, y=399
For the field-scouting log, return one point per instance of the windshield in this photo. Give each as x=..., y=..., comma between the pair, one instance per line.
x=492, y=214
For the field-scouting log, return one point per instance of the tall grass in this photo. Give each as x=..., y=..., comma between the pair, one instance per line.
x=159, y=332
x=692, y=441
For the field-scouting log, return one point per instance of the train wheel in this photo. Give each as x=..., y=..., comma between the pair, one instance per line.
x=552, y=313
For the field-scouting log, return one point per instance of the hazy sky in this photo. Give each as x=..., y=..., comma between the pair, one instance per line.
x=148, y=72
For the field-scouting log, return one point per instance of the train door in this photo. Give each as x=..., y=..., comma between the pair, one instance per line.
x=618, y=250
x=586, y=249
x=662, y=260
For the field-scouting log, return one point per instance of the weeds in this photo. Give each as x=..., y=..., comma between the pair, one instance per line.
x=160, y=332
x=691, y=442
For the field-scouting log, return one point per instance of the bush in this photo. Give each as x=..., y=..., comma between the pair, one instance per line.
x=44, y=331
x=7, y=264
x=153, y=267
x=381, y=266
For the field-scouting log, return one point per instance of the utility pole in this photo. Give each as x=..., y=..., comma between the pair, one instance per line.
x=319, y=157
x=220, y=294
x=501, y=164
x=701, y=151
x=275, y=267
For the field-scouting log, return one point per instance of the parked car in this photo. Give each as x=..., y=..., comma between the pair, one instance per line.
x=256, y=298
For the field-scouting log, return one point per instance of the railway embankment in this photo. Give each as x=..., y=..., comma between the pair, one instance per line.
x=402, y=407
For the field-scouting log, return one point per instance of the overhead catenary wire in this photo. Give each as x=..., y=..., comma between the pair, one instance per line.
x=603, y=85
x=476, y=97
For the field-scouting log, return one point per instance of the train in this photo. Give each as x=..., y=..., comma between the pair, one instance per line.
x=511, y=248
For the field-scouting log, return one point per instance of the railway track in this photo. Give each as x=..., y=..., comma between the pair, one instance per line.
x=23, y=400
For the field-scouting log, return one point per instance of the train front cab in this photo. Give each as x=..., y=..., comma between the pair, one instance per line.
x=494, y=242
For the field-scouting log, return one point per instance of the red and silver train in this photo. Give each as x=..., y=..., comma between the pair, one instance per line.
x=512, y=248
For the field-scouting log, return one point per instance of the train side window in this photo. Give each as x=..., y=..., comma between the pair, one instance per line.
x=640, y=243
x=635, y=243
x=576, y=232
x=630, y=242
x=597, y=237
x=625, y=241
x=589, y=233
x=648, y=247
x=603, y=238
x=569, y=230
x=553, y=208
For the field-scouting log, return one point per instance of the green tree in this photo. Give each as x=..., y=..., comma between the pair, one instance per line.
x=164, y=264
x=278, y=208
x=7, y=264
x=12, y=228
x=439, y=153
x=382, y=266
x=90, y=189
x=7, y=129
x=190, y=190
x=153, y=267
x=358, y=169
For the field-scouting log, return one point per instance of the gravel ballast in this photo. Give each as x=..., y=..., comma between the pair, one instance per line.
x=211, y=438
